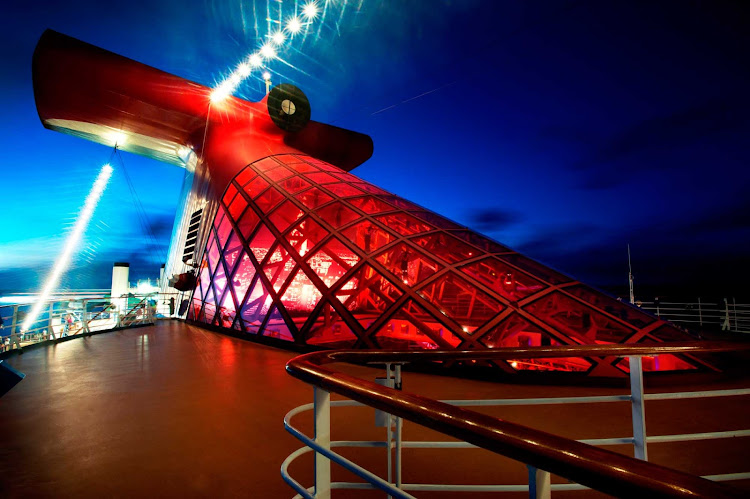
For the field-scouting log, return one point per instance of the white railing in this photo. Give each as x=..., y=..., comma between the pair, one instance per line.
x=76, y=316
x=725, y=315
x=538, y=485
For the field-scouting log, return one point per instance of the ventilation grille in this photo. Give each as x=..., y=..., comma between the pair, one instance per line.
x=192, y=236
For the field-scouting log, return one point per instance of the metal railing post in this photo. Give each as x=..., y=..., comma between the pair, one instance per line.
x=84, y=317
x=322, y=407
x=539, y=484
x=51, y=331
x=637, y=408
x=399, y=427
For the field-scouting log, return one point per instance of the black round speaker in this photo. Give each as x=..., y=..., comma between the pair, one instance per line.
x=288, y=107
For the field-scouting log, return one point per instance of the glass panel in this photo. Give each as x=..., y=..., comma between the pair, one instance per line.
x=298, y=165
x=270, y=198
x=205, y=278
x=195, y=310
x=404, y=224
x=323, y=165
x=232, y=251
x=256, y=186
x=371, y=189
x=436, y=220
x=255, y=308
x=237, y=206
x=411, y=327
x=243, y=277
x=277, y=328
x=285, y=215
x=261, y=243
x=408, y=264
x=370, y=204
x=446, y=247
x=336, y=214
x=330, y=330
x=265, y=164
x=229, y=194
x=226, y=311
x=461, y=301
x=220, y=281
x=245, y=176
x=279, y=173
x=249, y=220
x=312, y=198
x=401, y=203
x=536, y=269
x=512, y=284
x=209, y=309
x=664, y=362
x=278, y=267
x=480, y=241
x=332, y=261
x=294, y=184
x=300, y=296
x=306, y=235
x=322, y=178
x=344, y=190
x=224, y=228
x=576, y=319
x=213, y=254
x=367, y=295
x=624, y=311
x=368, y=236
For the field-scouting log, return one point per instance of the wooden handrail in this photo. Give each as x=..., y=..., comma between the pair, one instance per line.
x=600, y=469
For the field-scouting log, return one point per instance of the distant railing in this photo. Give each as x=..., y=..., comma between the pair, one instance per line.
x=578, y=461
x=725, y=315
x=75, y=316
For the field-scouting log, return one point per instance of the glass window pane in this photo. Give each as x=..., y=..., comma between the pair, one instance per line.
x=243, y=276
x=330, y=330
x=411, y=327
x=401, y=203
x=512, y=284
x=237, y=206
x=343, y=190
x=269, y=199
x=278, y=267
x=285, y=215
x=300, y=297
x=312, y=198
x=223, y=228
x=368, y=236
x=408, y=264
x=446, y=247
x=255, y=308
x=277, y=328
x=371, y=188
x=229, y=194
x=461, y=301
x=256, y=186
x=248, y=223
x=367, y=295
x=481, y=242
x=245, y=176
x=294, y=184
x=578, y=320
x=322, y=178
x=279, y=173
x=261, y=243
x=370, y=204
x=536, y=269
x=306, y=235
x=336, y=214
x=622, y=310
x=265, y=164
x=332, y=261
x=213, y=254
x=404, y=224
x=232, y=251
x=436, y=220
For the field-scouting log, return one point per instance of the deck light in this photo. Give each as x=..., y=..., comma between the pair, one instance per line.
x=310, y=10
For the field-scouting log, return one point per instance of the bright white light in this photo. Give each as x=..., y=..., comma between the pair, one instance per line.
x=145, y=287
x=310, y=10
x=72, y=242
x=220, y=93
x=116, y=137
x=278, y=37
x=255, y=60
x=244, y=70
x=294, y=25
x=235, y=80
x=266, y=75
x=267, y=51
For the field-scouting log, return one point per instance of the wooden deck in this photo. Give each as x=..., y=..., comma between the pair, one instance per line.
x=173, y=409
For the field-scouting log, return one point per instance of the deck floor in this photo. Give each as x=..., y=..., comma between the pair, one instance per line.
x=173, y=409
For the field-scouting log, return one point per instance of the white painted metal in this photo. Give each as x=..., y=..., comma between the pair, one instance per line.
x=322, y=408
x=637, y=409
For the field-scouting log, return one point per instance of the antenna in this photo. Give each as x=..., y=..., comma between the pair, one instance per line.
x=630, y=278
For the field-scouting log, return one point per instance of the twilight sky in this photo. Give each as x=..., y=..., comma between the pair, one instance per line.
x=564, y=129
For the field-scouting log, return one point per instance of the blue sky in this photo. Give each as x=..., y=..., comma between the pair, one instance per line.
x=564, y=129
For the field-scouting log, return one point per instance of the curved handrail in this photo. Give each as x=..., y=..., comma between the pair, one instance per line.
x=604, y=470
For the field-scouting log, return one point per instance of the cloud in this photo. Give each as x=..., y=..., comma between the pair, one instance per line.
x=493, y=219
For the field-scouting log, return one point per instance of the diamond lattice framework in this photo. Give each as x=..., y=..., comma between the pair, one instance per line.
x=304, y=252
